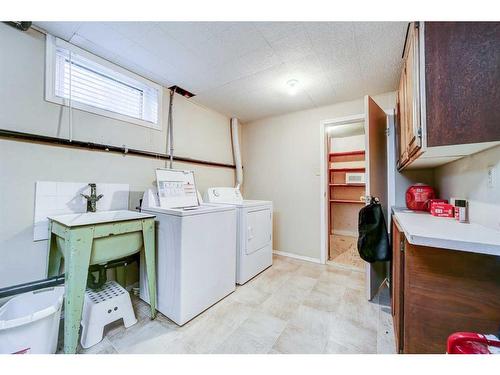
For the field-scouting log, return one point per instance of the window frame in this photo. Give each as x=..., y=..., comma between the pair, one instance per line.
x=52, y=43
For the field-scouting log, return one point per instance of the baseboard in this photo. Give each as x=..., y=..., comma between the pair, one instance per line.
x=296, y=256
x=345, y=233
x=344, y=266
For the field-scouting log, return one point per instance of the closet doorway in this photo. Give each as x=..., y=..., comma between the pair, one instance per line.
x=374, y=124
x=345, y=168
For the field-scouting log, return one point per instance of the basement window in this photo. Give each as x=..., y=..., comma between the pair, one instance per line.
x=81, y=80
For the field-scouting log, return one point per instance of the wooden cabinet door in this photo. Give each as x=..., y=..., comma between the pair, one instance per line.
x=401, y=122
x=397, y=284
x=462, y=77
x=412, y=94
x=409, y=124
x=448, y=291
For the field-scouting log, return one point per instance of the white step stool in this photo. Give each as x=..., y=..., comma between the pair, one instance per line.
x=102, y=307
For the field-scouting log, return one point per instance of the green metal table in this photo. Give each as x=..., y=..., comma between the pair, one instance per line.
x=96, y=238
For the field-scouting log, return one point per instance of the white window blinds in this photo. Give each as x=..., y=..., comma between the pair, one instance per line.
x=87, y=84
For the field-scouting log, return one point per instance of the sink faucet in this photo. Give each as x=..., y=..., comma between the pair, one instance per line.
x=92, y=199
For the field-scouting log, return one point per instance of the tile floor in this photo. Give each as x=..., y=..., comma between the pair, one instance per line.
x=292, y=307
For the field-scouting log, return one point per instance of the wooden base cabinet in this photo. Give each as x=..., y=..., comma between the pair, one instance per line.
x=436, y=292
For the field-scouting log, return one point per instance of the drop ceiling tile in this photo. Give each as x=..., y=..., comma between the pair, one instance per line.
x=241, y=68
x=131, y=30
x=345, y=73
x=268, y=103
x=103, y=35
x=332, y=58
x=105, y=53
x=309, y=65
x=330, y=35
x=213, y=52
x=156, y=41
x=380, y=51
x=246, y=66
x=275, y=76
x=294, y=46
x=232, y=41
x=389, y=44
x=63, y=30
x=367, y=29
x=258, y=60
x=242, y=38
x=131, y=56
x=274, y=31
x=321, y=91
x=216, y=77
x=190, y=34
x=345, y=91
x=382, y=77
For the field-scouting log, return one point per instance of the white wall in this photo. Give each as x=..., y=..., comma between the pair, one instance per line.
x=199, y=133
x=281, y=159
x=467, y=178
x=348, y=143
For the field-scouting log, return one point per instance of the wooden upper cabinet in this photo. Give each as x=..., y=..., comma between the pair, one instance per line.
x=449, y=92
x=409, y=99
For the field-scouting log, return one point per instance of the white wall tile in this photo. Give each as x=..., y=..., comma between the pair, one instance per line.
x=46, y=188
x=60, y=198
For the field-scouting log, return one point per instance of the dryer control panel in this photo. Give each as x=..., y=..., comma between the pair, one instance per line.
x=223, y=195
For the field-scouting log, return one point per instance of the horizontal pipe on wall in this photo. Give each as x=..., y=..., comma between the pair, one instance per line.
x=59, y=280
x=31, y=286
x=28, y=137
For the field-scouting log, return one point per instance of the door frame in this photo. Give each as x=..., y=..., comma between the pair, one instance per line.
x=324, y=206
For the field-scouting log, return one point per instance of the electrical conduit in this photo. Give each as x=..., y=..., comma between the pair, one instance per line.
x=236, y=152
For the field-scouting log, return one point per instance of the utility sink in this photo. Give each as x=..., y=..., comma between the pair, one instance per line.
x=92, y=218
x=96, y=238
x=116, y=234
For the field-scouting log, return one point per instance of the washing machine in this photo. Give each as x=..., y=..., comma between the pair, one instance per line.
x=195, y=247
x=254, y=231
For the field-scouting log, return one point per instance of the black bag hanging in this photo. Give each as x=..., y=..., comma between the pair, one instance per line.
x=373, y=240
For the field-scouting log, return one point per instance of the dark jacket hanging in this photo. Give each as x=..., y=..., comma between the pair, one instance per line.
x=373, y=240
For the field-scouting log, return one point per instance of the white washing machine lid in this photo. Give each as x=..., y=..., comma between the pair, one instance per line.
x=151, y=204
x=203, y=209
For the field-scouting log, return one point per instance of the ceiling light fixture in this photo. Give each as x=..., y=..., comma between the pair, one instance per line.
x=293, y=86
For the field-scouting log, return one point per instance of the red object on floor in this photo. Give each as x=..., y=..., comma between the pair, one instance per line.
x=442, y=209
x=472, y=343
x=417, y=196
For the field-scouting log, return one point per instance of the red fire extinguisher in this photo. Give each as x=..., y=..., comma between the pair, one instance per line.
x=472, y=343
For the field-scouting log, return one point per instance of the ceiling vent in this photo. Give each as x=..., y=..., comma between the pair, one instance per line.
x=181, y=91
